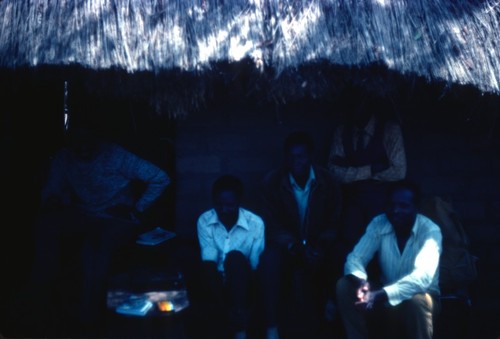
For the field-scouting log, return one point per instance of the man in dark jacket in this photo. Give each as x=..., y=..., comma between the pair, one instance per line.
x=301, y=201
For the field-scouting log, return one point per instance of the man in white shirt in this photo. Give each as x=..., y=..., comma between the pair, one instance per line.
x=408, y=247
x=231, y=240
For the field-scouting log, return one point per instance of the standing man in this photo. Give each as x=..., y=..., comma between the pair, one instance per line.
x=231, y=240
x=89, y=201
x=406, y=299
x=301, y=202
x=367, y=153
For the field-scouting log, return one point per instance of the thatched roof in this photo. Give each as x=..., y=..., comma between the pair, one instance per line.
x=456, y=42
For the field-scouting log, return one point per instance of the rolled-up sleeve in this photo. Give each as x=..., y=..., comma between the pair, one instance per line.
x=155, y=178
x=207, y=242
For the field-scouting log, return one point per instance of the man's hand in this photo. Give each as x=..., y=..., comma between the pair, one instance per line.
x=368, y=299
x=124, y=212
x=362, y=291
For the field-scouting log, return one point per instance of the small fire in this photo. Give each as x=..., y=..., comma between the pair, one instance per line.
x=165, y=306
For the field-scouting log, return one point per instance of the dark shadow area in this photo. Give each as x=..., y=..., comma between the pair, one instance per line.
x=32, y=131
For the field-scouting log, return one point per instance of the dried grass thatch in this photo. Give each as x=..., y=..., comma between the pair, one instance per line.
x=285, y=41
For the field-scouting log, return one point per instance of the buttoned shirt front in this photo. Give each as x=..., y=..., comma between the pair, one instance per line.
x=246, y=236
x=302, y=194
x=415, y=270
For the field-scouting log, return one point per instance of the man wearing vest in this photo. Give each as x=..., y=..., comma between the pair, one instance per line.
x=367, y=153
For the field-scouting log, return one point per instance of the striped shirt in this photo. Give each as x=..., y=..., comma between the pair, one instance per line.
x=403, y=274
x=105, y=181
x=246, y=236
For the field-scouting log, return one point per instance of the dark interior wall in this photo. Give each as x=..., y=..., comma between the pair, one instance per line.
x=31, y=131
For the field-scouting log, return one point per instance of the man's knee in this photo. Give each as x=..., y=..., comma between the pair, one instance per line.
x=235, y=257
x=419, y=304
x=416, y=316
x=345, y=287
x=236, y=261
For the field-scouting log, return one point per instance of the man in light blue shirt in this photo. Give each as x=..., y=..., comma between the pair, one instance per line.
x=231, y=240
x=408, y=248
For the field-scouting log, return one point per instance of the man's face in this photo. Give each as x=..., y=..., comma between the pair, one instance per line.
x=402, y=211
x=298, y=160
x=227, y=204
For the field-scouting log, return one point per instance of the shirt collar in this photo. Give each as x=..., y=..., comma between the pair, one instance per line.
x=311, y=179
x=389, y=228
x=242, y=221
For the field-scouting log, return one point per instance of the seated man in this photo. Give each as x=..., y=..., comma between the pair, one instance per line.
x=231, y=240
x=408, y=247
x=301, y=204
x=88, y=201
